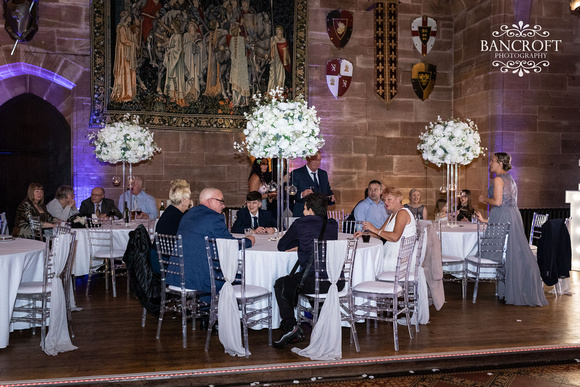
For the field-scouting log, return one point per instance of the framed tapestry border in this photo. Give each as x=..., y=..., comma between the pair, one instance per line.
x=101, y=82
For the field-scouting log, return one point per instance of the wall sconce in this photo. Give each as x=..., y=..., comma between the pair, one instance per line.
x=575, y=5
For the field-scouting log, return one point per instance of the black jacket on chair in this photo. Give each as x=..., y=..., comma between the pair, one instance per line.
x=554, y=252
x=145, y=285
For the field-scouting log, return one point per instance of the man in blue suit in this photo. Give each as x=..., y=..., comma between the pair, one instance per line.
x=252, y=216
x=203, y=220
x=310, y=178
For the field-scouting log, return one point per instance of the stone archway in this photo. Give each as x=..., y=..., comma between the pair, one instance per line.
x=35, y=146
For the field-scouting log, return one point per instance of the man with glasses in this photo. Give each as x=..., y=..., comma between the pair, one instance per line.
x=206, y=219
x=99, y=205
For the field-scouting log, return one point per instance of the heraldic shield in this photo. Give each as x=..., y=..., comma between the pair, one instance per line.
x=424, y=31
x=338, y=76
x=423, y=78
x=339, y=27
x=21, y=18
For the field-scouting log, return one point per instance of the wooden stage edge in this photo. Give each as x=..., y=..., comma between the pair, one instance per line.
x=399, y=365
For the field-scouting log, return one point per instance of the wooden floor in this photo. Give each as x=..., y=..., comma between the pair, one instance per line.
x=114, y=349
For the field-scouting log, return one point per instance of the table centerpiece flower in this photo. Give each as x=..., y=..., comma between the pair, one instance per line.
x=124, y=141
x=450, y=142
x=283, y=129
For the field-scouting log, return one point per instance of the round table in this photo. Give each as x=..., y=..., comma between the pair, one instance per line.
x=459, y=241
x=265, y=264
x=20, y=260
x=121, y=232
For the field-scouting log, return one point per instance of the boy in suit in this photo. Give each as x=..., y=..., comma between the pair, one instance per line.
x=252, y=216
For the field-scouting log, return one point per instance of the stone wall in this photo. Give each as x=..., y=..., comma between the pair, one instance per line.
x=534, y=117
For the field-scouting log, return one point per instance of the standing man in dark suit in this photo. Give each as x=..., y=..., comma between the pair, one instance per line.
x=98, y=204
x=300, y=236
x=310, y=178
x=206, y=219
x=252, y=216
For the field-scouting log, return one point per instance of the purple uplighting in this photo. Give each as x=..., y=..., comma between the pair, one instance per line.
x=15, y=69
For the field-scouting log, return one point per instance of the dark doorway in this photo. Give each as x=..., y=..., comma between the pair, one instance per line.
x=34, y=147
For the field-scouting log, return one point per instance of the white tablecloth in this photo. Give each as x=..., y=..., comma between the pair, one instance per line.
x=460, y=241
x=20, y=260
x=265, y=264
x=82, y=257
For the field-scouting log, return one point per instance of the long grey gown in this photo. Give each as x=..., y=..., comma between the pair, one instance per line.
x=523, y=284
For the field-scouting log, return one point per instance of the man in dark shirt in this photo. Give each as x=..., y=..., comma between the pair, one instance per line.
x=300, y=237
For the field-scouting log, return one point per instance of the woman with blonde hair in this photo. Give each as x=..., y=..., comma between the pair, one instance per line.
x=32, y=205
x=179, y=201
x=400, y=223
x=417, y=209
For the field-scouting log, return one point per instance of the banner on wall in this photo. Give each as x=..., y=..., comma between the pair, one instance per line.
x=424, y=32
x=423, y=77
x=338, y=76
x=339, y=27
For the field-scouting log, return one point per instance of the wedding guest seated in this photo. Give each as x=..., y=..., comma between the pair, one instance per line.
x=252, y=216
x=139, y=200
x=441, y=210
x=99, y=205
x=372, y=209
x=417, y=209
x=32, y=205
x=63, y=205
x=168, y=223
x=203, y=220
x=179, y=202
x=300, y=237
x=465, y=210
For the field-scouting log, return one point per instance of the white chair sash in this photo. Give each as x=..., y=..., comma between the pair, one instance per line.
x=230, y=332
x=58, y=339
x=422, y=299
x=326, y=337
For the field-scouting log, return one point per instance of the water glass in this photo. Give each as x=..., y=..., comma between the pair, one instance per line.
x=248, y=231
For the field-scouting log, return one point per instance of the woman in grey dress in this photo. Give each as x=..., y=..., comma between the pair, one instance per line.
x=523, y=285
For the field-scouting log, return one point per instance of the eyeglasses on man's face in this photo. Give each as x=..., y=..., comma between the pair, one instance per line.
x=220, y=200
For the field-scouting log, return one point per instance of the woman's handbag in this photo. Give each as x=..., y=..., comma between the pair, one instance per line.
x=290, y=287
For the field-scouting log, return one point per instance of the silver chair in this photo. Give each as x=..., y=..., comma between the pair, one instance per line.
x=175, y=298
x=538, y=221
x=32, y=298
x=311, y=303
x=250, y=297
x=389, y=276
x=231, y=213
x=387, y=301
x=3, y=224
x=453, y=266
x=36, y=227
x=100, y=234
x=348, y=226
x=338, y=215
x=491, y=254
x=61, y=229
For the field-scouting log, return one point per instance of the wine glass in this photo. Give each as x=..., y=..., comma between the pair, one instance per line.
x=138, y=211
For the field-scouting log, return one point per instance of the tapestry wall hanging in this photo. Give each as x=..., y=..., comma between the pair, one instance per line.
x=386, y=44
x=194, y=64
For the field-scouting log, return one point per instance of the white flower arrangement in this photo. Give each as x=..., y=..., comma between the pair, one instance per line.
x=281, y=128
x=125, y=141
x=450, y=142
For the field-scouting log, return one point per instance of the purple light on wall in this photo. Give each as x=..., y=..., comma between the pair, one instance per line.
x=15, y=69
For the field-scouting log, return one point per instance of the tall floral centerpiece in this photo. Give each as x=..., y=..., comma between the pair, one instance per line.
x=124, y=141
x=282, y=129
x=450, y=142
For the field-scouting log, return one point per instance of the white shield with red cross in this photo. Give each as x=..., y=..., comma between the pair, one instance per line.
x=424, y=31
x=338, y=76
